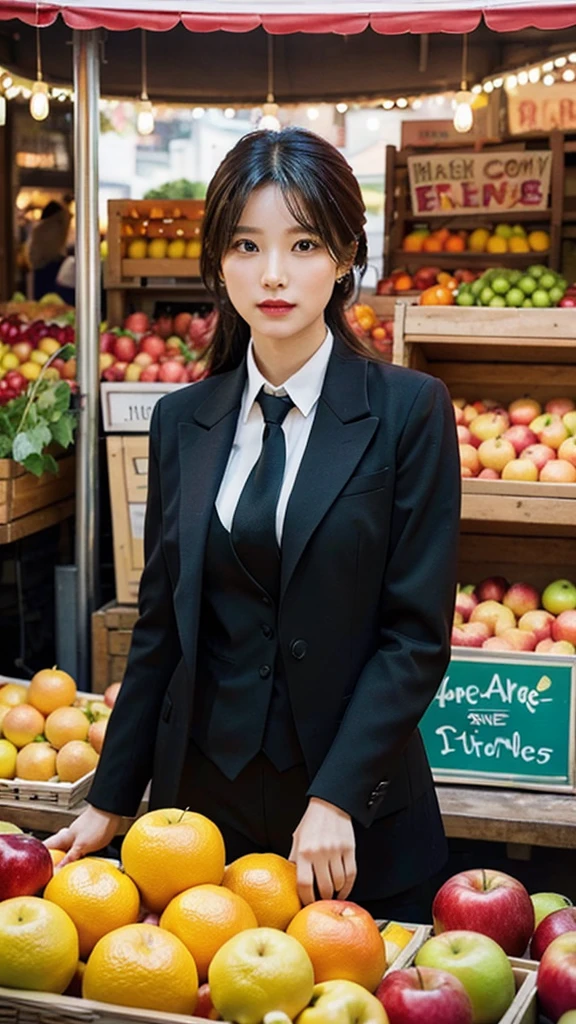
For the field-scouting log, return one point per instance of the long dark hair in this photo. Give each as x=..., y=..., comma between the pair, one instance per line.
x=322, y=195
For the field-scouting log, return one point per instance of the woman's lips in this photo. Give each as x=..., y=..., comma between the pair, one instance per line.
x=272, y=308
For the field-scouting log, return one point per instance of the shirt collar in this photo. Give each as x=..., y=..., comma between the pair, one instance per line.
x=303, y=387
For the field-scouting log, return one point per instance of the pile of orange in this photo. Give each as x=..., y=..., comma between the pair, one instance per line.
x=441, y=240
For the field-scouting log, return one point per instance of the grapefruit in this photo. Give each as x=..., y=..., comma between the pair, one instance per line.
x=38, y=945
x=13, y=694
x=22, y=724
x=65, y=724
x=342, y=941
x=50, y=689
x=36, y=762
x=97, y=896
x=268, y=884
x=75, y=759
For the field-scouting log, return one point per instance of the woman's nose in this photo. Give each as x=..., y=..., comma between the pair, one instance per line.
x=273, y=274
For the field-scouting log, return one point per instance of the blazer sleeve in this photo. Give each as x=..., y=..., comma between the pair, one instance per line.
x=125, y=765
x=417, y=602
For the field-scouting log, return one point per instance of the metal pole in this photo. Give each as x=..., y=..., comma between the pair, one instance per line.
x=86, y=118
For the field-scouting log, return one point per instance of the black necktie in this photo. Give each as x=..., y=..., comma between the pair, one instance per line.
x=254, y=524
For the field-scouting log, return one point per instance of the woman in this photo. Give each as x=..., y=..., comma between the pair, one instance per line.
x=301, y=532
x=47, y=249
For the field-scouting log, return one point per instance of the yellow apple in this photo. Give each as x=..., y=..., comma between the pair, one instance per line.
x=343, y=1002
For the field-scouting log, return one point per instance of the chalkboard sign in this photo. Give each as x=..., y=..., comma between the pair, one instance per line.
x=505, y=721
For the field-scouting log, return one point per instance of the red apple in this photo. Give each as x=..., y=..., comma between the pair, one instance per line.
x=458, y=414
x=495, y=453
x=524, y=410
x=518, y=639
x=567, y=450
x=489, y=902
x=488, y=425
x=111, y=693
x=464, y=435
x=465, y=604
x=138, y=323
x=543, y=646
x=562, y=647
x=470, y=634
x=496, y=643
x=182, y=323
x=495, y=616
x=549, y=429
x=556, y=977
x=125, y=348
x=108, y=341
x=197, y=370
x=538, y=622
x=550, y=927
x=560, y=406
x=521, y=598
x=492, y=589
x=154, y=346
x=163, y=326
x=520, y=436
x=489, y=474
x=150, y=373
x=539, y=454
x=564, y=628
x=568, y=302
x=204, y=1005
x=558, y=472
x=172, y=372
x=469, y=459
x=22, y=350
x=424, y=995
x=25, y=865
x=143, y=359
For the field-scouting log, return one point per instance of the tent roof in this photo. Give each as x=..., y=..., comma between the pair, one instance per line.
x=346, y=17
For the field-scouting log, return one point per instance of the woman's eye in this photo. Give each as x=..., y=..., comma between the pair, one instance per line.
x=306, y=245
x=245, y=245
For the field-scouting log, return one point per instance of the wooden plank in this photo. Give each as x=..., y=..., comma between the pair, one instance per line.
x=99, y=652
x=29, y=493
x=120, y=616
x=506, y=381
x=556, y=198
x=119, y=641
x=521, y=511
x=497, y=326
x=37, y=521
x=508, y=816
x=117, y=669
x=160, y=268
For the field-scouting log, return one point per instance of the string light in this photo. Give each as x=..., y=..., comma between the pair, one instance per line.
x=548, y=65
x=561, y=62
x=229, y=113
x=548, y=80
x=572, y=58
x=534, y=75
x=488, y=87
x=312, y=113
x=511, y=82
x=498, y=83
x=569, y=75
x=198, y=112
x=416, y=104
x=145, y=115
x=341, y=108
x=402, y=102
x=523, y=78
x=7, y=82
x=39, y=102
x=388, y=104
x=476, y=90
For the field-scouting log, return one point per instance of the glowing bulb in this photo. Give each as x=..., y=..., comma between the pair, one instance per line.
x=388, y=104
x=2, y=111
x=416, y=104
x=197, y=113
x=372, y=124
x=145, y=118
x=402, y=102
x=560, y=62
x=548, y=80
x=534, y=75
x=548, y=66
x=499, y=82
x=269, y=123
x=488, y=87
x=476, y=89
x=572, y=58
x=523, y=78
x=7, y=82
x=12, y=91
x=511, y=81
x=229, y=113
x=569, y=75
x=313, y=113
x=341, y=108
x=463, y=115
x=39, y=102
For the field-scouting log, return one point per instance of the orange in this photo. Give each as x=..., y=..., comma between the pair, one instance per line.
x=38, y=945
x=57, y=856
x=455, y=243
x=13, y=694
x=518, y=244
x=168, y=851
x=432, y=244
x=414, y=242
x=50, y=689
x=142, y=966
x=36, y=762
x=268, y=883
x=22, y=724
x=438, y=295
x=98, y=897
x=539, y=241
x=403, y=283
x=342, y=941
x=204, y=918
x=65, y=724
x=75, y=759
x=496, y=244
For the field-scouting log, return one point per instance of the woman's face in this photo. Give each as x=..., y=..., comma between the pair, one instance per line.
x=278, y=276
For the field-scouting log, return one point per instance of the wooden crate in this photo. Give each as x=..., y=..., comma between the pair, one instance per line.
x=128, y=479
x=130, y=219
x=112, y=627
x=29, y=503
x=420, y=932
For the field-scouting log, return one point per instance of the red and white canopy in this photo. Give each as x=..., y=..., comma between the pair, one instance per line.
x=345, y=17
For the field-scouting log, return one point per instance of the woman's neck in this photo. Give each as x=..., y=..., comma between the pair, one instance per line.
x=278, y=360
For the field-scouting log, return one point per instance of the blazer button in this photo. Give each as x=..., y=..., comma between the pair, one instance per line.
x=298, y=649
x=370, y=802
x=264, y=671
x=266, y=630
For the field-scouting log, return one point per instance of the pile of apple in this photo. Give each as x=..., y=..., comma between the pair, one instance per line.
x=370, y=328
x=523, y=442
x=401, y=281
x=462, y=975
x=25, y=347
x=171, y=349
x=498, y=616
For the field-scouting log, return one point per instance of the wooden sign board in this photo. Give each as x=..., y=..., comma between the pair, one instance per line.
x=127, y=408
x=427, y=134
x=542, y=108
x=505, y=721
x=464, y=183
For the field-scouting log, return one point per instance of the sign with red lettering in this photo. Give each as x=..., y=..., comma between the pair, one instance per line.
x=542, y=108
x=494, y=182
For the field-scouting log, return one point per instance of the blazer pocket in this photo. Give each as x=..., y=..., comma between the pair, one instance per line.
x=364, y=483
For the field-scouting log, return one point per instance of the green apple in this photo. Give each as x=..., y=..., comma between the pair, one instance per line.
x=527, y=284
x=569, y=421
x=503, y=231
x=480, y=964
x=7, y=826
x=342, y=1002
x=518, y=231
x=568, y=1018
x=536, y=270
x=559, y=596
x=546, y=903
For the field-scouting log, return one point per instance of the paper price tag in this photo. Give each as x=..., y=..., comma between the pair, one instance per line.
x=127, y=408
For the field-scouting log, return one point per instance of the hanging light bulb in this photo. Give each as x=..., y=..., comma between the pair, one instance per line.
x=388, y=104
x=2, y=111
x=402, y=102
x=230, y=113
x=198, y=112
x=145, y=115
x=534, y=75
x=548, y=80
x=498, y=82
x=341, y=108
x=269, y=121
x=463, y=114
x=39, y=102
x=523, y=78
x=569, y=75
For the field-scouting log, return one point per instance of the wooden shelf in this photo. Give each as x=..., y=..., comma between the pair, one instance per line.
x=470, y=259
x=476, y=219
x=508, y=816
x=524, y=504
x=160, y=268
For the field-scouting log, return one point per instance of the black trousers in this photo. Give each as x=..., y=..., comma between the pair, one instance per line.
x=261, y=808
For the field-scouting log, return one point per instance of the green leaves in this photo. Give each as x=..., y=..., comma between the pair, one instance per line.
x=32, y=422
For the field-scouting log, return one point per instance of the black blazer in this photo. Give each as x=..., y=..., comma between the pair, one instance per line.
x=368, y=582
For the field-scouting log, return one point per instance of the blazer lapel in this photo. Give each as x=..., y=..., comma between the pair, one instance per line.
x=341, y=432
x=204, y=446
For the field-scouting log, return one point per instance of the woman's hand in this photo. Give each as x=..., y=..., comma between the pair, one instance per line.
x=324, y=849
x=92, y=830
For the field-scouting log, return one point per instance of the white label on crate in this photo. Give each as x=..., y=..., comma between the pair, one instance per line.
x=137, y=513
x=128, y=407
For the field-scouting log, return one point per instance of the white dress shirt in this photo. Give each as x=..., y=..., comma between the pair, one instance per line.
x=304, y=388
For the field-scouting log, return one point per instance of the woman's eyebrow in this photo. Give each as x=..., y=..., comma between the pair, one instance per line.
x=296, y=230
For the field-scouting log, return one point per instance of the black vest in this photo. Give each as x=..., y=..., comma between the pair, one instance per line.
x=241, y=699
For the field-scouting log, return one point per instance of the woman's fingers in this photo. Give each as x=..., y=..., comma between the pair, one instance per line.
x=350, y=871
x=324, y=882
x=305, y=879
x=74, y=853
x=61, y=840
